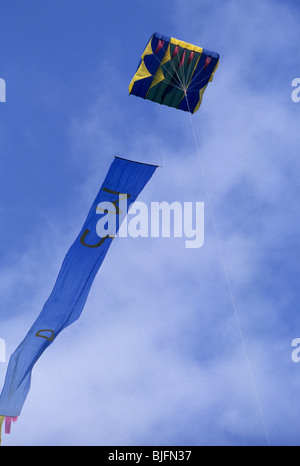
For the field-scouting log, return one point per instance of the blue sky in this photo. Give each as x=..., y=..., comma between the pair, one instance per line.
x=156, y=358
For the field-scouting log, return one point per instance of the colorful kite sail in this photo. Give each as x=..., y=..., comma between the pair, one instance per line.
x=124, y=181
x=174, y=73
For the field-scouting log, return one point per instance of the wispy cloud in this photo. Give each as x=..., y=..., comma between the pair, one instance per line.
x=156, y=357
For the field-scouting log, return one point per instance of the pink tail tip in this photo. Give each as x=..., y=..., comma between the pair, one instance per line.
x=8, y=420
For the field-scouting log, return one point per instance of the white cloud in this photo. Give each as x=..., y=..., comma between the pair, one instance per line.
x=156, y=357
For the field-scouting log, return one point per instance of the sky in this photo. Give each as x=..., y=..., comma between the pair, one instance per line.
x=157, y=357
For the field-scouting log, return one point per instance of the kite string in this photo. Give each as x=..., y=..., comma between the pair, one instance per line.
x=172, y=76
x=228, y=281
x=182, y=85
x=174, y=68
x=181, y=67
x=156, y=135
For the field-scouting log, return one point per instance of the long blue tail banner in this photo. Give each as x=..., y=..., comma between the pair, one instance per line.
x=124, y=181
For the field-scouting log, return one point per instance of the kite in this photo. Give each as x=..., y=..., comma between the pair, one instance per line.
x=174, y=73
x=123, y=183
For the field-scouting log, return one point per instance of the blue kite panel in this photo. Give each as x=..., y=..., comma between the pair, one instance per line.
x=125, y=180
